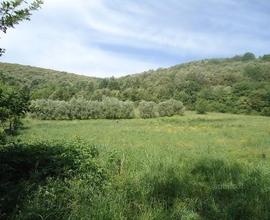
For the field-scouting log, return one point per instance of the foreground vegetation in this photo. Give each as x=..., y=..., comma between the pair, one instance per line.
x=213, y=166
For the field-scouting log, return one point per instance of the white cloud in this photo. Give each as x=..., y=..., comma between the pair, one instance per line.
x=66, y=34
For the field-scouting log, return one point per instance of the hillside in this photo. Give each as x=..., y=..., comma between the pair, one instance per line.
x=239, y=85
x=46, y=83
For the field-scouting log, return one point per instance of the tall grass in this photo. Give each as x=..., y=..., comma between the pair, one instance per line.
x=192, y=167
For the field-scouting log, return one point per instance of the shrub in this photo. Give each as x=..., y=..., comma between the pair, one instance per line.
x=266, y=111
x=171, y=107
x=115, y=109
x=266, y=57
x=14, y=103
x=201, y=106
x=165, y=109
x=36, y=178
x=110, y=108
x=178, y=107
x=248, y=56
x=148, y=109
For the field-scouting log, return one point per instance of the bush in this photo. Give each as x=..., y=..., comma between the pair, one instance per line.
x=148, y=109
x=201, y=106
x=14, y=103
x=109, y=108
x=266, y=57
x=266, y=111
x=115, y=109
x=248, y=56
x=170, y=108
x=36, y=178
x=245, y=57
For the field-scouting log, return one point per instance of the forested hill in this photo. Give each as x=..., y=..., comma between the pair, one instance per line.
x=240, y=84
x=46, y=83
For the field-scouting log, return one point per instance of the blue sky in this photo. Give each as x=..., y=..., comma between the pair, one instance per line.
x=118, y=37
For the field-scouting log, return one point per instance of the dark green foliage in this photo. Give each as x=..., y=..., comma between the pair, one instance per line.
x=71, y=181
x=266, y=57
x=245, y=57
x=201, y=188
x=13, y=12
x=14, y=103
x=201, y=106
x=36, y=179
x=257, y=72
x=248, y=56
x=266, y=111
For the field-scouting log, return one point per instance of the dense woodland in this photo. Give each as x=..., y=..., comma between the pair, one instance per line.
x=238, y=85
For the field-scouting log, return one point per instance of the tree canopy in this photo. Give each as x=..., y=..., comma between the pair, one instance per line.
x=13, y=12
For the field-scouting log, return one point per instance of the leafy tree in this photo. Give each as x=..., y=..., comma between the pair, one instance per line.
x=14, y=104
x=147, y=109
x=165, y=109
x=245, y=57
x=248, y=56
x=79, y=108
x=178, y=107
x=266, y=57
x=170, y=107
x=12, y=12
x=266, y=111
x=201, y=106
x=257, y=72
x=115, y=109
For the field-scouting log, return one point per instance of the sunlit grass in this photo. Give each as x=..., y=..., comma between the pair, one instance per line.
x=238, y=136
x=213, y=166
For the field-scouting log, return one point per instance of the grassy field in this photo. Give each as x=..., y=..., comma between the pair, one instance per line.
x=213, y=166
x=237, y=136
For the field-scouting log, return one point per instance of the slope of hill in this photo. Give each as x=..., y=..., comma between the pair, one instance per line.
x=46, y=83
x=239, y=85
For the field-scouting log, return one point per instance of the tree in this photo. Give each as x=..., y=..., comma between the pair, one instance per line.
x=14, y=105
x=13, y=12
x=245, y=57
x=165, y=109
x=147, y=109
x=171, y=107
x=201, y=106
x=248, y=56
x=266, y=57
x=14, y=102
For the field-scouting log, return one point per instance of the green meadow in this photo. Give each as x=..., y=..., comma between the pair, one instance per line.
x=212, y=166
x=236, y=136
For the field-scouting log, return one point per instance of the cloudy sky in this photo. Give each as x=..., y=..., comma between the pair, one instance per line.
x=117, y=37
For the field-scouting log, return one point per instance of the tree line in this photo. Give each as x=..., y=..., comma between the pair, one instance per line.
x=108, y=108
x=240, y=84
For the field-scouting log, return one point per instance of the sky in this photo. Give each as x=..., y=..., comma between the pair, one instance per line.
x=106, y=38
